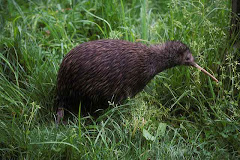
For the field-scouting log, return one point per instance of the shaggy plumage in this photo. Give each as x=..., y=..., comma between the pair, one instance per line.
x=99, y=71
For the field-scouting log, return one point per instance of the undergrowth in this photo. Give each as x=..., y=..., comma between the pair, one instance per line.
x=181, y=114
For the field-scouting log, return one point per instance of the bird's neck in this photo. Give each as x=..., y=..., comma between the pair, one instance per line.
x=160, y=59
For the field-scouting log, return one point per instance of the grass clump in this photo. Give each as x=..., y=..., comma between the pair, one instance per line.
x=181, y=114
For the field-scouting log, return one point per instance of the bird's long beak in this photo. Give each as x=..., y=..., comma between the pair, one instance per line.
x=204, y=71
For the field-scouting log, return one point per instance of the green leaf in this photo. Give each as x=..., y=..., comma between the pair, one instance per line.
x=148, y=136
x=161, y=129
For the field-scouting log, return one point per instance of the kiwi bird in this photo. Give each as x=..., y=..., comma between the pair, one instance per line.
x=100, y=71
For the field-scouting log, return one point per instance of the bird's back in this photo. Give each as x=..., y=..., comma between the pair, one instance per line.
x=102, y=71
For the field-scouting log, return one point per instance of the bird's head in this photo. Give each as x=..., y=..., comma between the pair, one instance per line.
x=182, y=55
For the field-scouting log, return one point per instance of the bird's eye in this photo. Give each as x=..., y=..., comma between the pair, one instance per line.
x=188, y=57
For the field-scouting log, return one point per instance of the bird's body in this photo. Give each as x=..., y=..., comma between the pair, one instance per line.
x=97, y=72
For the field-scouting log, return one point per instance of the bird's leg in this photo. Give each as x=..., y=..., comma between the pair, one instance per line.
x=60, y=115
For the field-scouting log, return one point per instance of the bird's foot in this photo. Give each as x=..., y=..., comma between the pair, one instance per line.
x=60, y=115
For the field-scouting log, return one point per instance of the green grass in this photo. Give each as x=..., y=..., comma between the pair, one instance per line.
x=181, y=114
